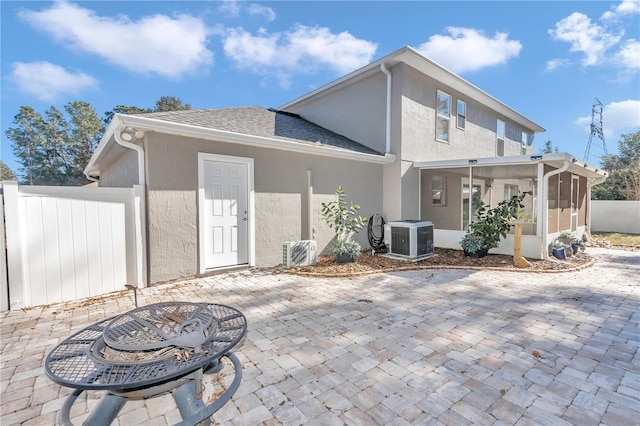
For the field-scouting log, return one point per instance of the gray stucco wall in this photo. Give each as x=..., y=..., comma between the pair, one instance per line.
x=357, y=112
x=417, y=93
x=280, y=199
x=123, y=173
x=478, y=139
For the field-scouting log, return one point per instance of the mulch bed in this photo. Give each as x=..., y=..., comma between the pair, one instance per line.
x=444, y=258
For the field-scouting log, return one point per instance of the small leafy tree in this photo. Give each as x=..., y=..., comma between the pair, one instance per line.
x=493, y=224
x=345, y=222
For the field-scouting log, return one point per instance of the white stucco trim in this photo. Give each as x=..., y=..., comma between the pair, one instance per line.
x=251, y=249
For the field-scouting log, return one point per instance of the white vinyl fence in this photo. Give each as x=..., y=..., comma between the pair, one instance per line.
x=67, y=243
x=621, y=216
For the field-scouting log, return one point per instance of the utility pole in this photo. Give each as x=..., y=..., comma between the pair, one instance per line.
x=597, y=136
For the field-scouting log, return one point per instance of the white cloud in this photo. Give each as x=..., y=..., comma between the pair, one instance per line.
x=301, y=49
x=584, y=36
x=629, y=55
x=156, y=44
x=602, y=43
x=557, y=63
x=46, y=81
x=230, y=8
x=624, y=8
x=467, y=49
x=617, y=118
x=258, y=10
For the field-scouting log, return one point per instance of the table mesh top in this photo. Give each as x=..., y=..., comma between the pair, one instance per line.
x=78, y=363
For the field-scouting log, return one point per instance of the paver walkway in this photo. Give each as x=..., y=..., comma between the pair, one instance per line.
x=420, y=347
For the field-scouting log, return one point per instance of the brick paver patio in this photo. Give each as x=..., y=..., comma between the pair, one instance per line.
x=421, y=347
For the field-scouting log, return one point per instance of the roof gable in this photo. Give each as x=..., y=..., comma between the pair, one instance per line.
x=415, y=59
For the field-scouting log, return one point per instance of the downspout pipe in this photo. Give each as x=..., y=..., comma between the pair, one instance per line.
x=386, y=72
x=545, y=200
x=123, y=139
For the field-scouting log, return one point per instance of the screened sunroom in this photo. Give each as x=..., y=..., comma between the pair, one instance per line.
x=560, y=187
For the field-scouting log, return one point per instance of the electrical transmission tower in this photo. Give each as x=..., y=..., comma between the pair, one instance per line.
x=596, y=137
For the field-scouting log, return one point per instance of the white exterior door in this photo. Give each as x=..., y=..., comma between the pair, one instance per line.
x=225, y=213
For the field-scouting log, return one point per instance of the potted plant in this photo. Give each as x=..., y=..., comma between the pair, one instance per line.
x=345, y=222
x=566, y=237
x=577, y=244
x=346, y=251
x=557, y=249
x=491, y=225
x=473, y=246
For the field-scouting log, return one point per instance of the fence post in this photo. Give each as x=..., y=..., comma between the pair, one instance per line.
x=4, y=283
x=14, y=245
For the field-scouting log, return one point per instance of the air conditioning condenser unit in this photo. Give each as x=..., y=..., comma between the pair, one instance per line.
x=409, y=239
x=299, y=253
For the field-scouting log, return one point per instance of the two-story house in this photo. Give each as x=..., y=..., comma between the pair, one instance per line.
x=405, y=137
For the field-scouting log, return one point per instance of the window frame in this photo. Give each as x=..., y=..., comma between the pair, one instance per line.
x=443, y=192
x=462, y=116
x=442, y=117
x=510, y=188
x=525, y=142
x=500, y=136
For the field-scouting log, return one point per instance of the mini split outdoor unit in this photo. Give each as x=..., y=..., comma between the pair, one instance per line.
x=410, y=239
x=299, y=253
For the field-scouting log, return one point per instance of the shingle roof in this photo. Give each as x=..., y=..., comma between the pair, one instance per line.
x=257, y=121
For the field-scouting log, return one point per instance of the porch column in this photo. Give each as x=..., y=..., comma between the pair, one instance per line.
x=542, y=200
x=470, y=206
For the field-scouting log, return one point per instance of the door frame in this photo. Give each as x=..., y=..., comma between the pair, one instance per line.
x=465, y=181
x=575, y=201
x=202, y=157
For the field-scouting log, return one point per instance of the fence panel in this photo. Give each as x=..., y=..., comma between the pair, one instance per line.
x=615, y=216
x=69, y=243
x=4, y=284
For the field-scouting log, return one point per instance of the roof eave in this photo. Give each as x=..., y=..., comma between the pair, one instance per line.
x=590, y=170
x=186, y=130
x=103, y=147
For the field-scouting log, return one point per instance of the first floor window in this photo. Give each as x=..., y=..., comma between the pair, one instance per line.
x=438, y=191
x=443, y=116
x=510, y=191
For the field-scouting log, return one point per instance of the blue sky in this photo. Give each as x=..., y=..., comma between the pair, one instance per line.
x=547, y=60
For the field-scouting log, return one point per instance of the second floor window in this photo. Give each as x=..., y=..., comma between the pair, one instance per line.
x=443, y=116
x=525, y=142
x=461, y=110
x=500, y=142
